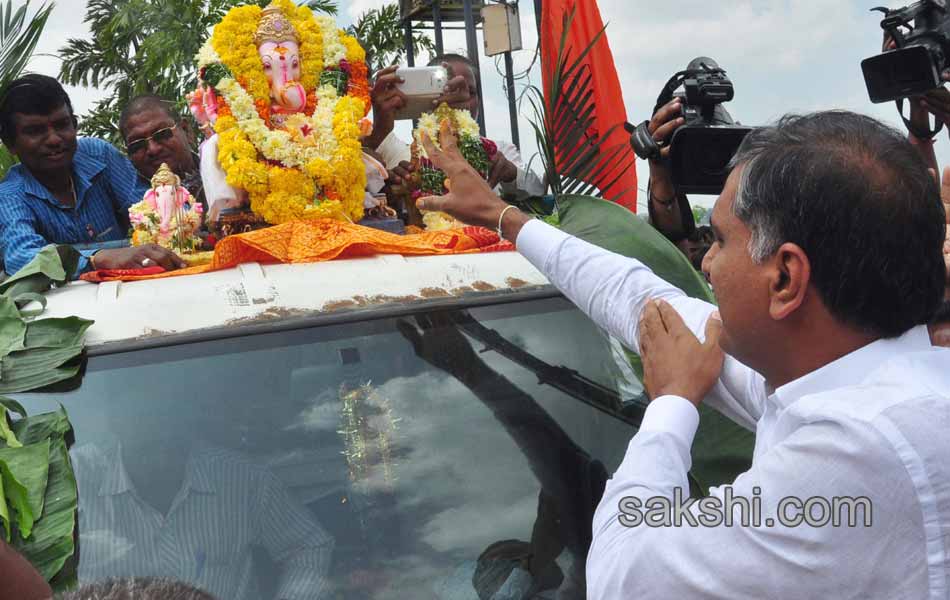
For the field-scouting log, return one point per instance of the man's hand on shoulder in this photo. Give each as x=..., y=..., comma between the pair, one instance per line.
x=674, y=362
x=137, y=257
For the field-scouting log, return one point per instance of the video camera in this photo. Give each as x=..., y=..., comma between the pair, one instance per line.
x=700, y=149
x=921, y=55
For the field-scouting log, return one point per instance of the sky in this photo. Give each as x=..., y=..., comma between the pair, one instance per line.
x=782, y=56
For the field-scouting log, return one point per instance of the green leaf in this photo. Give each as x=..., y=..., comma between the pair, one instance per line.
x=26, y=470
x=38, y=275
x=12, y=334
x=721, y=449
x=28, y=370
x=56, y=333
x=52, y=543
x=9, y=438
x=51, y=548
x=13, y=405
x=19, y=517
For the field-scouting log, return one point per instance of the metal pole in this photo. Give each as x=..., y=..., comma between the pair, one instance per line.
x=410, y=51
x=512, y=105
x=472, y=41
x=437, y=25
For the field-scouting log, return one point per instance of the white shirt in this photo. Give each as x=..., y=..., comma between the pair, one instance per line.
x=394, y=151
x=874, y=423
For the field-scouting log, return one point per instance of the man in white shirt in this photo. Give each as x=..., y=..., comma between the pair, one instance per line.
x=827, y=266
x=507, y=169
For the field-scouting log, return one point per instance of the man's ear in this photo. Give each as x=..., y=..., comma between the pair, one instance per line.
x=788, y=285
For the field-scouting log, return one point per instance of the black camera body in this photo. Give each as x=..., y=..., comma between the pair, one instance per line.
x=701, y=148
x=922, y=52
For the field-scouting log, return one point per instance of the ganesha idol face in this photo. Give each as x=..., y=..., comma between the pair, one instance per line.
x=166, y=200
x=282, y=68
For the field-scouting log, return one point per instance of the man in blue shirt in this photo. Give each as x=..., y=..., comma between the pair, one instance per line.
x=65, y=191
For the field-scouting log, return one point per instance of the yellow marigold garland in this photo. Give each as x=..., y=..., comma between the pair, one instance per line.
x=307, y=182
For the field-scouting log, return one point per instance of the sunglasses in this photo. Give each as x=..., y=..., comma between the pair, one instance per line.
x=160, y=136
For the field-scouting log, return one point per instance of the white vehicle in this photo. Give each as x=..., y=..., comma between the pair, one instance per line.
x=419, y=428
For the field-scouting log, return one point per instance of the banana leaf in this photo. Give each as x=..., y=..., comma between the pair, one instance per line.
x=56, y=333
x=24, y=474
x=722, y=449
x=38, y=368
x=51, y=547
x=52, y=266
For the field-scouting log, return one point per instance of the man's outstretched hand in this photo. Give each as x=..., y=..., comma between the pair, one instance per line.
x=469, y=199
x=674, y=362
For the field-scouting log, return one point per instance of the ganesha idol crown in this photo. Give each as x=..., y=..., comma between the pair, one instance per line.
x=275, y=27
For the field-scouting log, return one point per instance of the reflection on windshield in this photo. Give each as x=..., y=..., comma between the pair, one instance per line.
x=383, y=459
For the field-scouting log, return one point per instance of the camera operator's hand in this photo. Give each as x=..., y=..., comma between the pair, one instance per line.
x=387, y=100
x=937, y=103
x=661, y=127
x=469, y=200
x=457, y=93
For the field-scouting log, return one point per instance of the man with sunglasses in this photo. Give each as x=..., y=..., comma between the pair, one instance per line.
x=154, y=134
x=65, y=190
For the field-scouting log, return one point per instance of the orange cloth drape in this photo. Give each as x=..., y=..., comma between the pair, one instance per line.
x=607, y=97
x=321, y=240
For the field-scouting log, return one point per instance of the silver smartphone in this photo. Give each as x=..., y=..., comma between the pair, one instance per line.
x=422, y=86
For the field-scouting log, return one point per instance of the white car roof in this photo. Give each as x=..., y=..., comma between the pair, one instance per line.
x=148, y=313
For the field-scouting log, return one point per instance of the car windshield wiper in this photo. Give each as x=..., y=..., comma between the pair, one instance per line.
x=564, y=379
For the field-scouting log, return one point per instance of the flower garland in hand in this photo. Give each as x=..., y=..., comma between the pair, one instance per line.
x=428, y=180
x=312, y=167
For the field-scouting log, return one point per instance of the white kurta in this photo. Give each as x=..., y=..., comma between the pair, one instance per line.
x=874, y=424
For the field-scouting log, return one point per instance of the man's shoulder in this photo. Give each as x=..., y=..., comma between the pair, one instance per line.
x=915, y=384
x=94, y=148
x=13, y=185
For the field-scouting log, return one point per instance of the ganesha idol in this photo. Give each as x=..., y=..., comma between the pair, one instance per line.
x=168, y=215
x=283, y=96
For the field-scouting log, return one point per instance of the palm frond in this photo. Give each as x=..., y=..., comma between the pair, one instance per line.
x=576, y=158
x=18, y=38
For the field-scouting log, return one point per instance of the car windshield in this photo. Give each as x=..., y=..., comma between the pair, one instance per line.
x=446, y=455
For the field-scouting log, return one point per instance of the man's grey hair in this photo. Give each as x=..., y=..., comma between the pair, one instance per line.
x=856, y=197
x=137, y=588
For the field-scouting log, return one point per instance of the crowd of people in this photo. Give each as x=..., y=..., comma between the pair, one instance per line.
x=829, y=255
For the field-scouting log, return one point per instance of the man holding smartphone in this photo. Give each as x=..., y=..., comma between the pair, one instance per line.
x=461, y=92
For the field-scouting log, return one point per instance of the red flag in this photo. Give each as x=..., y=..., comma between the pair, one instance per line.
x=620, y=178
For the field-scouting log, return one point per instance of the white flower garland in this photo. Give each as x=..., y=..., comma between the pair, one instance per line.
x=333, y=49
x=431, y=123
x=278, y=144
x=207, y=55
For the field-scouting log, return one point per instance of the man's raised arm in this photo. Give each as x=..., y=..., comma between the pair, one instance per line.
x=611, y=289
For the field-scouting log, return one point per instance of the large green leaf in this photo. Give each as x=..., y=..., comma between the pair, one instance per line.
x=56, y=333
x=25, y=471
x=37, y=368
x=7, y=436
x=53, y=265
x=51, y=548
x=722, y=449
